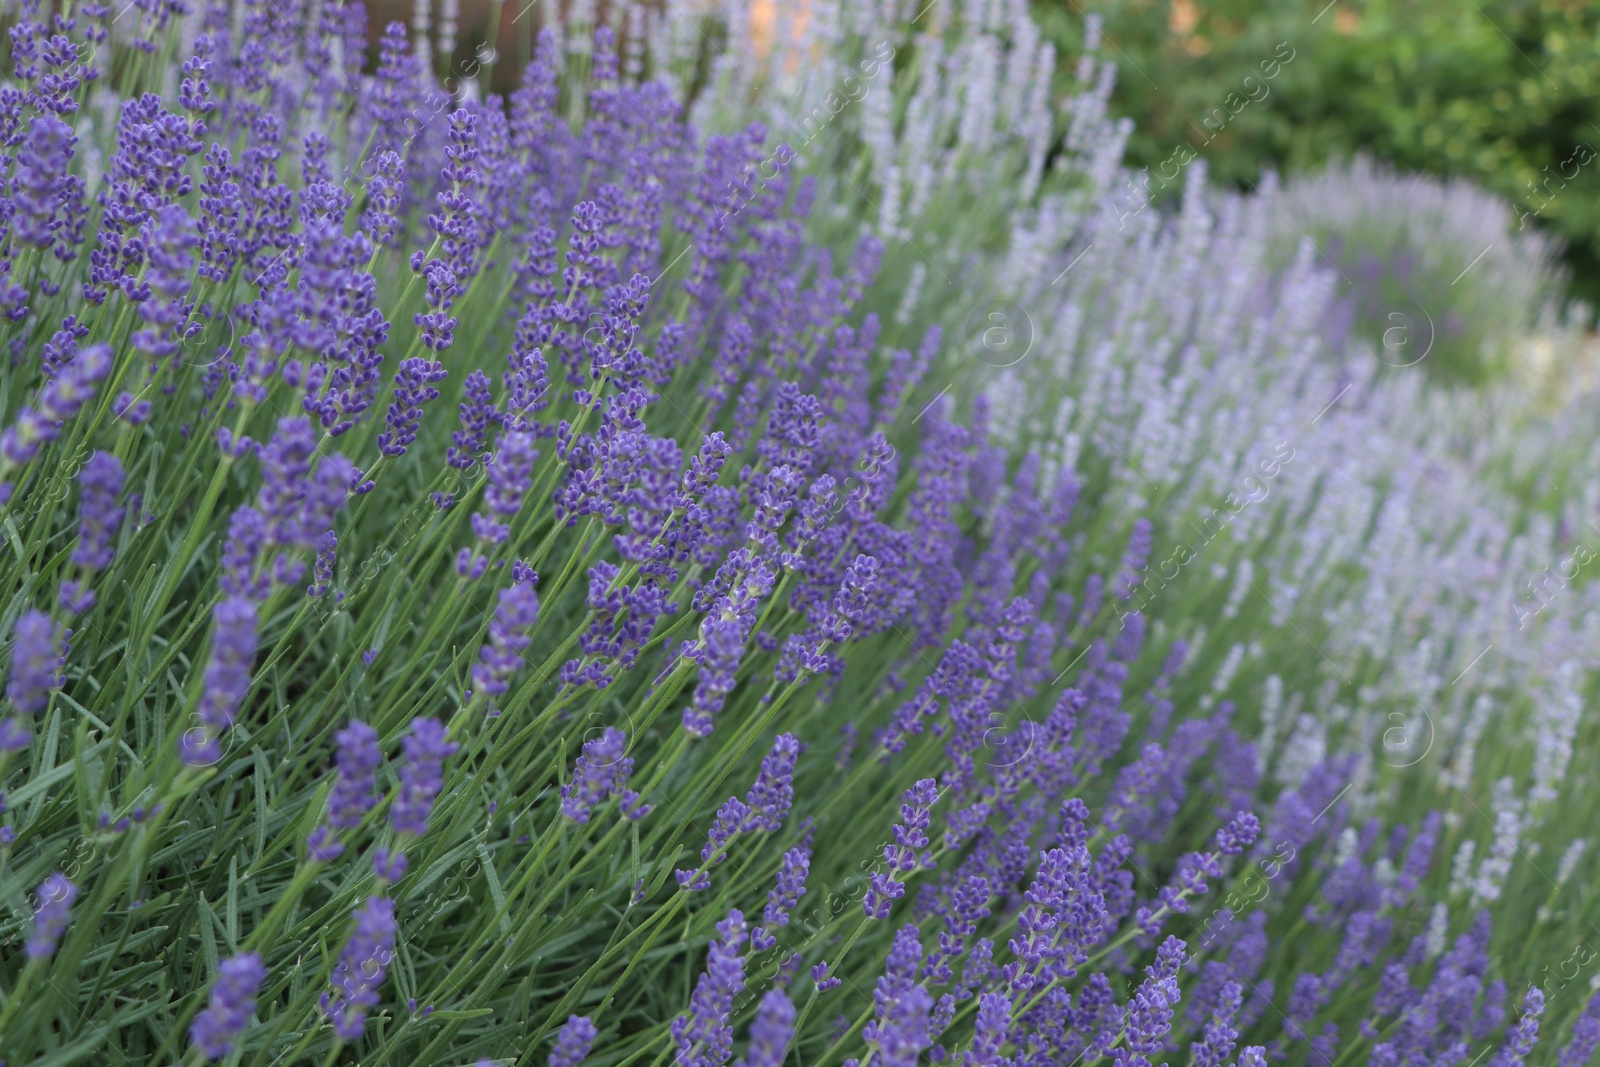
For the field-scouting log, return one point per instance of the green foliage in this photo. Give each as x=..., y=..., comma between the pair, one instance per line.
x=1504, y=92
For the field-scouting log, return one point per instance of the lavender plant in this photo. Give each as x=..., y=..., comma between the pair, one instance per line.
x=501, y=579
x=1435, y=271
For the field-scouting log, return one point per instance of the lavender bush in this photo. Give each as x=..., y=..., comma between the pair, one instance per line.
x=1433, y=270
x=588, y=577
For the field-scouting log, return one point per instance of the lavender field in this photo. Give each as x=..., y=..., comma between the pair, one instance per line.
x=768, y=543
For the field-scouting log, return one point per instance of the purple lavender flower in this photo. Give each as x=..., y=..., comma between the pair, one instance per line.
x=991, y=1031
x=1585, y=1037
x=355, y=789
x=600, y=770
x=361, y=969
x=36, y=660
x=770, y=1032
x=1521, y=1038
x=381, y=223
x=1148, y=1016
x=772, y=794
x=477, y=414
x=389, y=866
x=501, y=655
x=227, y=679
x=438, y=325
x=1216, y=1044
x=41, y=173
x=781, y=899
x=1134, y=559
x=508, y=473
x=56, y=894
x=168, y=239
x=413, y=387
x=573, y=1042
x=58, y=400
x=730, y=819
x=421, y=775
x=233, y=1001
x=703, y=1036
x=1239, y=834
x=902, y=1034
x=98, y=513
x=910, y=837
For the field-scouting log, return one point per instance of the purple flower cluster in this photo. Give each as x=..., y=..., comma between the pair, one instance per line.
x=233, y=1000
x=573, y=1042
x=354, y=789
x=421, y=775
x=362, y=965
x=703, y=1036
x=501, y=655
x=788, y=550
x=99, y=517
x=59, y=399
x=56, y=895
x=905, y=854
x=601, y=771
x=37, y=655
x=762, y=810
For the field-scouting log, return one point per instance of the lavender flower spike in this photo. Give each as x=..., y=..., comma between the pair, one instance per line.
x=573, y=1042
x=598, y=773
x=1239, y=834
x=910, y=836
x=227, y=679
x=354, y=792
x=704, y=1037
x=98, y=513
x=770, y=1032
x=790, y=887
x=233, y=1001
x=501, y=655
x=422, y=775
x=35, y=671
x=361, y=968
x=56, y=894
x=772, y=794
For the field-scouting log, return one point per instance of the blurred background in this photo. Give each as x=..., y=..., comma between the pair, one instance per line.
x=1505, y=93
x=1502, y=93
x=1404, y=137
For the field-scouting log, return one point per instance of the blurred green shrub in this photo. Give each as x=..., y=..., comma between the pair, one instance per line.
x=1504, y=92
